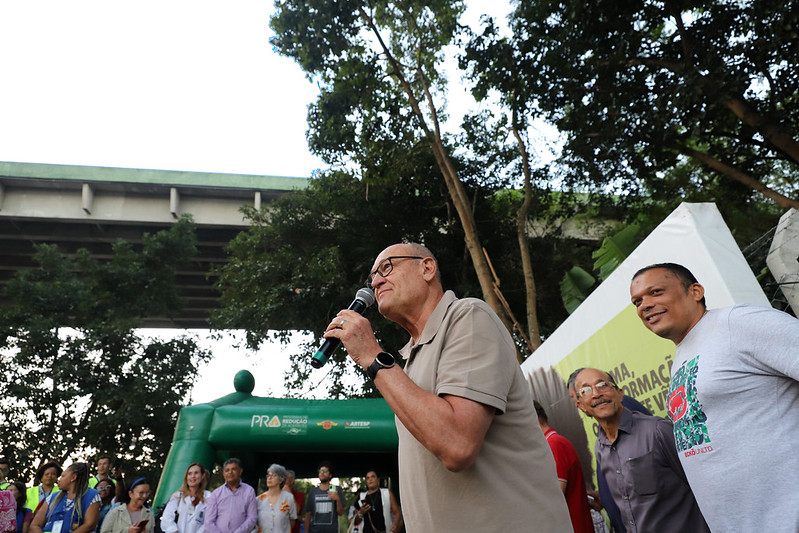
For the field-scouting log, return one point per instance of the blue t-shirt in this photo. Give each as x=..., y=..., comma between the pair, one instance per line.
x=63, y=510
x=21, y=518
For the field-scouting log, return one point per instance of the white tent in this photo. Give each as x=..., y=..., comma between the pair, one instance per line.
x=605, y=331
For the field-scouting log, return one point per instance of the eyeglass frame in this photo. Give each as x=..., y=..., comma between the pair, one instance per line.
x=582, y=391
x=371, y=276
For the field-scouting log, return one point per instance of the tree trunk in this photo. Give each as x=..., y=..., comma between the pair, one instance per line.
x=771, y=132
x=453, y=182
x=461, y=203
x=533, y=331
x=740, y=177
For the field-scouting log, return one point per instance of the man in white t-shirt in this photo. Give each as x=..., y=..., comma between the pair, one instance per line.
x=734, y=400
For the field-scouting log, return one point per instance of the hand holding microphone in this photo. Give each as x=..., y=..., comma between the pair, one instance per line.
x=363, y=299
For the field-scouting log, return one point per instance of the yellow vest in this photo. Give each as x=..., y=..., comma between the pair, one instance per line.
x=93, y=481
x=33, y=496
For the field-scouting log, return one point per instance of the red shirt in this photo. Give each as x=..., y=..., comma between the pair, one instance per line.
x=571, y=472
x=299, y=502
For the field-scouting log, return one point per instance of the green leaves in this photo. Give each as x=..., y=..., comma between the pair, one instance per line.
x=629, y=83
x=575, y=287
x=77, y=378
x=614, y=250
x=304, y=259
x=577, y=284
x=363, y=117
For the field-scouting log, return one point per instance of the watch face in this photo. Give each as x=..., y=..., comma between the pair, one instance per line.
x=385, y=359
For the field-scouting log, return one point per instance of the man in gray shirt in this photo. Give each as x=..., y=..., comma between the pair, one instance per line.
x=733, y=398
x=639, y=460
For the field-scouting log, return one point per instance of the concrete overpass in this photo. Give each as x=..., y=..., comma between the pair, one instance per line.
x=91, y=207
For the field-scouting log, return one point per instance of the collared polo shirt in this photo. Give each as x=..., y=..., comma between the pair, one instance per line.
x=464, y=350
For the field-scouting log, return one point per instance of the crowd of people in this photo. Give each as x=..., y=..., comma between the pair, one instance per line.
x=74, y=500
x=471, y=455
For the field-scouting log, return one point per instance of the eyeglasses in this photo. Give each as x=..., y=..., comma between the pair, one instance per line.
x=270, y=474
x=104, y=487
x=600, y=387
x=386, y=266
x=323, y=470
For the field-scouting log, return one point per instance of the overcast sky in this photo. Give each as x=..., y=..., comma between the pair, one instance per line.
x=167, y=84
x=170, y=84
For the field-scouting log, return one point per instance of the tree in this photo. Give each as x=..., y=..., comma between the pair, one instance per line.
x=307, y=254
x=490, y=65
x=639, y=88
x=304, y=257
x=378, y=66
x=77, y=377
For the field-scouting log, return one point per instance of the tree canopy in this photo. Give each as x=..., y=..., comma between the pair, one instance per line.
x=649, y=97
x=379, y=66
x=639, y=88
x=77, y=378
x=305, y=256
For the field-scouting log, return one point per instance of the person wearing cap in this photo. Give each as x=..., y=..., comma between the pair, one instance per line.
x=132, y=515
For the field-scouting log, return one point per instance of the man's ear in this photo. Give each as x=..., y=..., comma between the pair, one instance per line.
x=430, y=268
x=696, y=291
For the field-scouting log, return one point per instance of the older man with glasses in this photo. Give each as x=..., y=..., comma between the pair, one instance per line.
x=471, y=454
x=638, y=457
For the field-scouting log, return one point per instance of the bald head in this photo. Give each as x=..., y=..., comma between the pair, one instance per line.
x=413, y=249
x=407, y=285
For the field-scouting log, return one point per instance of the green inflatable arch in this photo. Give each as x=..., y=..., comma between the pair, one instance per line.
x=356, y=435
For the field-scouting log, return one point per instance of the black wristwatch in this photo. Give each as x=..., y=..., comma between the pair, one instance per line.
x=383, y=360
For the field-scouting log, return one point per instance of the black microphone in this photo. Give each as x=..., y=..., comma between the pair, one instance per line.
x=363, y=299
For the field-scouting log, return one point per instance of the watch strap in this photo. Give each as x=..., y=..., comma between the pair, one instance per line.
x=376, y=365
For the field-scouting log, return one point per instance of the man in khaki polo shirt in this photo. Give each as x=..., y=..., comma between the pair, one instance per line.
x=471, y=454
